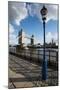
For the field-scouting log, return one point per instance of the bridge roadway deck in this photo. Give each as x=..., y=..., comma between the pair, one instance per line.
x=23, y=73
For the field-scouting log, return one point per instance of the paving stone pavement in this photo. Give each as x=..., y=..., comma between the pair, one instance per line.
x=23, y=73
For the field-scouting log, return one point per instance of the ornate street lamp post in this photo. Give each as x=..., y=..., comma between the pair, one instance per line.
x=44, y=64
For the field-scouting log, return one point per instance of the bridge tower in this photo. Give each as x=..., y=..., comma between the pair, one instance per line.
x=20, y=35
x=32, y=40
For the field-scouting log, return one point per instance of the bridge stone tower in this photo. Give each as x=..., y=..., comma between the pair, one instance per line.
x=20, y=41
x=32, y=40
x=20, y=37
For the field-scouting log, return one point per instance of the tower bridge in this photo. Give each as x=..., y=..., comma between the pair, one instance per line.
x=22, y=37
x=21, y=40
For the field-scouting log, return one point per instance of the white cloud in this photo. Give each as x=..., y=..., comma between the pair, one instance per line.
x=50, y=36
x=37, y=40
x=17, y=11
x=34, y=9
x=52, y=12
x=12, y=35
x=11, y=29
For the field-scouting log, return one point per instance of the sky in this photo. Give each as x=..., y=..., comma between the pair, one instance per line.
x=27, y=16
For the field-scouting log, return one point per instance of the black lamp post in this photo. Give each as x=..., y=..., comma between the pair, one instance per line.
x=44, y=64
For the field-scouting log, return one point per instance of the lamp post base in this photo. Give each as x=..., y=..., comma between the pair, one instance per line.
x=44, y=70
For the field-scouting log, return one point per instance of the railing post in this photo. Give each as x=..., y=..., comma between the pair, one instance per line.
x=25, y=54
x=57, y=56
x=38, y=56
x=30, y=55
x=57, y=59
x=49, y=56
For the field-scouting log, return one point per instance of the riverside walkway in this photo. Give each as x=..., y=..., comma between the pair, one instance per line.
x=23, y=73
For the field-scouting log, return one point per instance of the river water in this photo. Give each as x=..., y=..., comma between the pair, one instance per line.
x=38, y=52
